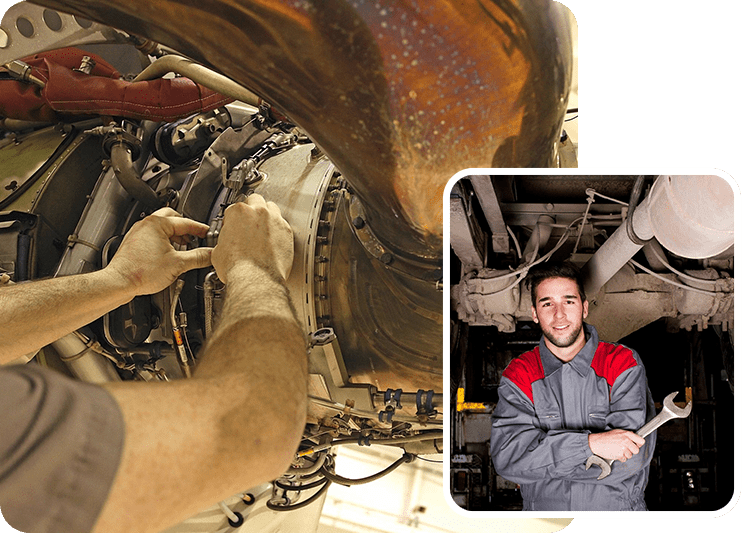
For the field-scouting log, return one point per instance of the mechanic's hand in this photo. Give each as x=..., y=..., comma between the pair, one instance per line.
x=254, y=231
x=147, y=258
x=617, y=444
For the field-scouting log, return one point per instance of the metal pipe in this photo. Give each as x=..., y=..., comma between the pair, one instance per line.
x=539, y=237
x=679, y=210
x=123, y=166
x=616, y=251
x=199, y=74
x=106, y=207
x=655, y=256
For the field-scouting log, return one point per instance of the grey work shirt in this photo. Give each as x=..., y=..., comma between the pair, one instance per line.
x=547, y=409
x=60, y=446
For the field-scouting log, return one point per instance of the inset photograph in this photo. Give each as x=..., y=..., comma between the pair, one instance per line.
x=591, y=342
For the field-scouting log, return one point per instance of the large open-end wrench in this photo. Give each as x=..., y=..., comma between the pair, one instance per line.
x=669, y=411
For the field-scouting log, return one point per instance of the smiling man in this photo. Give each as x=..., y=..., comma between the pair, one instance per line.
x=569, y=398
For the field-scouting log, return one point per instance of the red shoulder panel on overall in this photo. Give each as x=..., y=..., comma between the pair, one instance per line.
x=611, y=360
x=524, y=370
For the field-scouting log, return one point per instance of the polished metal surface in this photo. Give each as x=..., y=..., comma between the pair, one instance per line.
x=399, y=94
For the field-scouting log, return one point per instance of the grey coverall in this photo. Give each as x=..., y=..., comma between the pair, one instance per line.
x=545, y=413
x=60, y=446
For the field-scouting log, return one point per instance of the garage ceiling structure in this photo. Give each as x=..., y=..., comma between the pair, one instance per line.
x=657, y=257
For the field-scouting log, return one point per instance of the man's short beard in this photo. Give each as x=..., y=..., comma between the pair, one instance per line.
x=566, y=343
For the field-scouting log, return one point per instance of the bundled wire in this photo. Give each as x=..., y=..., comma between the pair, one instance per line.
x=306, y=482
x=521, y=272
x=368, y=441
x=325, y=484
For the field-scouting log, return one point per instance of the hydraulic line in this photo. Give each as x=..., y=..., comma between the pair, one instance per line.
x=298, y=488
x=129, y=178
x=406, y=458
x=428, y=435
x=364, y=414
x=671, y=282
x=314, y=497
x=178, y=334
x=199, y=74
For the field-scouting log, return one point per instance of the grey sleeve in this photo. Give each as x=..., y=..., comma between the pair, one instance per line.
x=60, y=446
x=524, y=453
x=631, y=405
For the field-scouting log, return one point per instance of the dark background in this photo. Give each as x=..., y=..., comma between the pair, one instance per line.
x=658, y=88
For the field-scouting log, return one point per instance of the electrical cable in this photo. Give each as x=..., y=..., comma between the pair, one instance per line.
x=366, y=414
x=429, y=460
x=523, y=271
x=309, y=470
x=685, y=276
x=620, y=202
x=392, y=441
x=671, y=282
x=299, y=488
x=406, y=458
x=590, y=200
x=515, y=241
x=314, y=497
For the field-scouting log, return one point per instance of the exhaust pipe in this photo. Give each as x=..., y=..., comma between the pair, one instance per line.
x=691, y=216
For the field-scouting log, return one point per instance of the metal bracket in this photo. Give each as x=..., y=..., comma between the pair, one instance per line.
x=27, y=29
x=392, y=400
x=425, y=410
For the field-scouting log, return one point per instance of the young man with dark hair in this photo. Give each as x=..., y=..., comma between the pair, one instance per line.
x=569, y=398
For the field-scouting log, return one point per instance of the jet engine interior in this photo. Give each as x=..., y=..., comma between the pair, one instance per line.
x=351, y=116
x=657, y=257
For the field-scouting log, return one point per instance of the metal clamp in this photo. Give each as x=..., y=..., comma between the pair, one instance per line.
x=392, y=399
x=425, y=410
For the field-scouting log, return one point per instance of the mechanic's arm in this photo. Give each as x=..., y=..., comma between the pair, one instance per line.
x=628, y=412
x=36, y=313
x=237, y=423
x=521, y=451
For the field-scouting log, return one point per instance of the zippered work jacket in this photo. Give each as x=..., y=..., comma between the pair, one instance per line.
x=547, y=409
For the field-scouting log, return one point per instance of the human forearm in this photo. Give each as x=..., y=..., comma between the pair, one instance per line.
x=235, y=424
x=36, y=313
x=238, y=421
x=259, y=345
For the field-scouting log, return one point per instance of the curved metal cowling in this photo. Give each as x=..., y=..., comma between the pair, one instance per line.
x=400, y=94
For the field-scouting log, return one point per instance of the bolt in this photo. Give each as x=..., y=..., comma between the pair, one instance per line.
x=358, y=222
x=386, y=258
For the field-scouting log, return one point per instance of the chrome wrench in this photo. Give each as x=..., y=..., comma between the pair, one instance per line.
x=669, y=411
